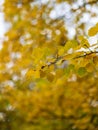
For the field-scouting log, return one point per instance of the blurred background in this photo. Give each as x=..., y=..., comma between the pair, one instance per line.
x=41, y=88
x=78, y=19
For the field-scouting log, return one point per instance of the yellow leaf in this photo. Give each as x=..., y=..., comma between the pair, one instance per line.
x=93, y=31
x=33, y=74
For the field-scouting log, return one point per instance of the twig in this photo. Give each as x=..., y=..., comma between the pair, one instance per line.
x=86, y=3
x=62, y=60
x=81, y=56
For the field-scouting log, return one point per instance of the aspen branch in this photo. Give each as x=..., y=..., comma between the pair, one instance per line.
x=62, y=59
x=86, y=3
x=86, y=54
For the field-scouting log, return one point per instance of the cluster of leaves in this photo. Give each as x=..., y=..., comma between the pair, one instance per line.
x=46, y=82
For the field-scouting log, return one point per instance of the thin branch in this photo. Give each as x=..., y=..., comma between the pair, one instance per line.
x=51, y=63
x=62, y=60
x=86, y=3
x=86, y=54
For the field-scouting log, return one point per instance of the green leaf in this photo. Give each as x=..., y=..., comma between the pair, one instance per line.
x=71, y=44
x=84, y=42
x=82, y=71
x=69, y=69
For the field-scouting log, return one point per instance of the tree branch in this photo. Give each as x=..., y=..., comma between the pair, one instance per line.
x=62, y=59
x=86, y=3
x=86, y=54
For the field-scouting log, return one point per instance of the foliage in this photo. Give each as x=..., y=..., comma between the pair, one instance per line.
x=47, y=82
